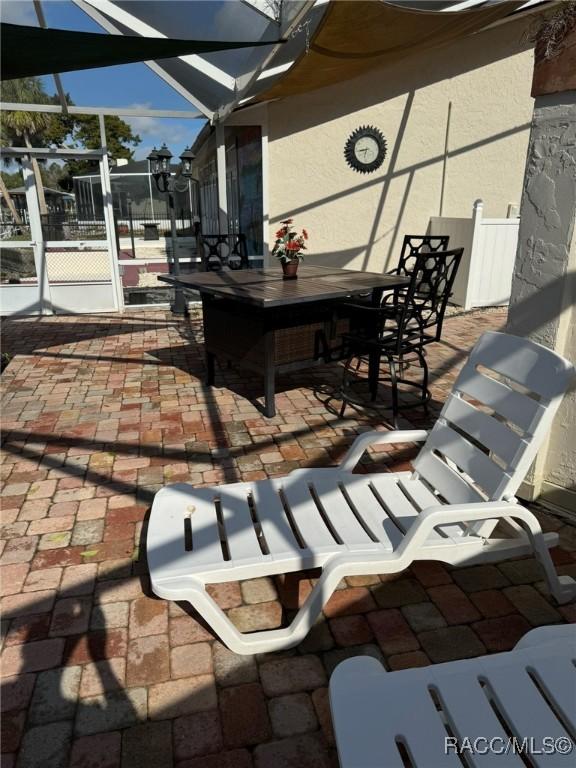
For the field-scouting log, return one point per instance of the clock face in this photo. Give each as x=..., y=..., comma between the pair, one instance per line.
x=365, y=150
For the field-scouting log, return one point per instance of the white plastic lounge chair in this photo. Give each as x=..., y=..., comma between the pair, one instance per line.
x=464, y=482
x=461, y=713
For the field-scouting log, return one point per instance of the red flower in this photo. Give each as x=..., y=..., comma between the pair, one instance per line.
x=289, y=244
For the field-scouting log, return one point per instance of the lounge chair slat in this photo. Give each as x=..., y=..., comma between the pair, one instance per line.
x=557, y=676
x=270, y=512
x=306, y=515
x=370, y=741
x=485, y=473
x=470, y=716
x=424, y=499
x=525, y=709
x=345, y=523
x=373, y=513
x=401, y=508
x=513, y=406
x=394, y=500
x=206, y=539
x=166, y=552
x=240, y=533
x=426, y=744
x=484, y=428
x=445, y=480
x=537, y=368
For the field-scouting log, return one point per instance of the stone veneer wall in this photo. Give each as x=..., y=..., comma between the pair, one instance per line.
x=543, y=302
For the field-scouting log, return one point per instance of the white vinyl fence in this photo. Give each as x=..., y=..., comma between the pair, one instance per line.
x=485, y=275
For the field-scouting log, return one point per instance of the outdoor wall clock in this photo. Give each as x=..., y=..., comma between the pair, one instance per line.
x=365, y=150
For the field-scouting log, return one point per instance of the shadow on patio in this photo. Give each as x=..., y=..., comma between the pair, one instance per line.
x=97, y=670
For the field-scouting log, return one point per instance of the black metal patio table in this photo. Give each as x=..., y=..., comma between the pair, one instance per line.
x=269, y=325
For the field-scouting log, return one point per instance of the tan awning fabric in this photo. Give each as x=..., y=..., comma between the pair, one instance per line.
x=356, y=36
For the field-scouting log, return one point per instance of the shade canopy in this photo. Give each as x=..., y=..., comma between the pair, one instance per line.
x=217, y=81
x=30, y=51
x=279, y=48
x=326, y=41
x=355, y=37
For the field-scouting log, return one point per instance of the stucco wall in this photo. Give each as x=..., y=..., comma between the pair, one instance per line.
x=543, y=301
x=359, y=220
x=560, y=467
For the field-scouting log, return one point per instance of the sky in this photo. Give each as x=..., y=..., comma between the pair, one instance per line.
x=129, y=85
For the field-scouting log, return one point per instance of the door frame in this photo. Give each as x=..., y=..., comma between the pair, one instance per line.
x=37, y=241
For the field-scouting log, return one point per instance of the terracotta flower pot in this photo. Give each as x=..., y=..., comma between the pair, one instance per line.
x=290, y=268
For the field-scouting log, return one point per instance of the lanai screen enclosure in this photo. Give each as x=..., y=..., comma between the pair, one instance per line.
x=239, y=54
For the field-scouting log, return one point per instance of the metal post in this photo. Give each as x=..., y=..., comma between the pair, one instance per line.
x=93, y=204
x=37, y=237
x=109, y=219
x=116, y=234
x=151, y=196
x=131, y=222
x=179, y=306
x=221, y=177
x=265, y=195
x=445, y=159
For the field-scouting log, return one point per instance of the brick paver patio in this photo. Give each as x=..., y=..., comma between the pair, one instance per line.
x=99, y=413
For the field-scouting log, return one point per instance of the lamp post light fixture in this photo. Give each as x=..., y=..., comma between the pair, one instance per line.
x=159, y=160
x=186, y=159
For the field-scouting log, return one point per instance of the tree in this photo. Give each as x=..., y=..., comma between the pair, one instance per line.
x=53, y=175
x=12, y=179
x=9, y=202
x=7, y=182
x=26, y=126
x=48, y=129
x=84, y=131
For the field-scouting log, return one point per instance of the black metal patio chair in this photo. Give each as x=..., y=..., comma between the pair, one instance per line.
x=224, y=250
x=402, y=329
x=412, y=246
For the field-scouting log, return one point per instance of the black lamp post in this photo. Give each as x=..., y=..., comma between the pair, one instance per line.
x=131, y=223
x=159, y=160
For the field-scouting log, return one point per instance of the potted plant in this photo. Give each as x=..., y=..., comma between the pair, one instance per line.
x=289, y=248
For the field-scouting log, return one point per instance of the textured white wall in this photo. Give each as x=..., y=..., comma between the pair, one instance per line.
x=543, y=301
x=359, y=220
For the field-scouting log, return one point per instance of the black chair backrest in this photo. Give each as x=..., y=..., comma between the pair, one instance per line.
x=427, y=295
x=224, y=250
x=412, y=246
x=416, y=244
